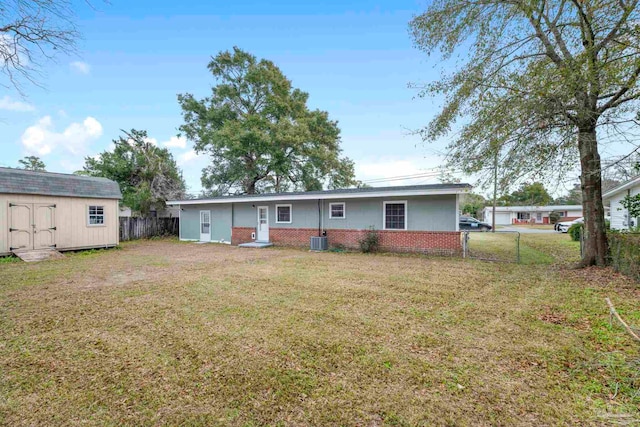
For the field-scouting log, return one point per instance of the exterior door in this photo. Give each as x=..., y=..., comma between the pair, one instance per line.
x=32, y=226
x=44, y=226
x=205, y=226
x=263, y=224
x=20, y=228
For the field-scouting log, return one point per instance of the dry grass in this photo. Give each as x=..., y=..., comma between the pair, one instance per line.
x=182, y=334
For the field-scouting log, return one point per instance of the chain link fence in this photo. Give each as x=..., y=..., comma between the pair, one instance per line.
x=500, y=246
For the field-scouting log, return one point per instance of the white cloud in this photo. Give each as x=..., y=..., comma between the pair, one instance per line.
x=151, y=141
x=176, y=142
x=189, y=157
x=42, y=139
x=80, y=67
x=9, y=104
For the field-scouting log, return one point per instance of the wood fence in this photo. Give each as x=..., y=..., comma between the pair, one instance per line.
x=143, y=228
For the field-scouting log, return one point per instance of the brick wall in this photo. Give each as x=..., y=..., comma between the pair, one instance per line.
x=436, y=242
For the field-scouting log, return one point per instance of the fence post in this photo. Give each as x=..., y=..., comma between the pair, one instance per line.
x=517, y=247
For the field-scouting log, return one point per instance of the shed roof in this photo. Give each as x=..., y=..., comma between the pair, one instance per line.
x=20, y=181
x=345, y=193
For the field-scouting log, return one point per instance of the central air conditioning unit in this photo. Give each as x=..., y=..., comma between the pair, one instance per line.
x=319, y=243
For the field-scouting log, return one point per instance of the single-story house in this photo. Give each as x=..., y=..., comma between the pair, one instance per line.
x=420, y=218
x=620, y=219
x=42, y=210
x=507, y=215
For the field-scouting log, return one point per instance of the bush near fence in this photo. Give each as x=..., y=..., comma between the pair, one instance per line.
x=624, y=250
x=144, y=228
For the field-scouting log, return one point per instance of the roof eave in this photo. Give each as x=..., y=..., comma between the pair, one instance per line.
x=328, y=196
x=622, y=187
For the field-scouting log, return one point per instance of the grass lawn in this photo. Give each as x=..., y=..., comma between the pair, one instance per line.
x=169, y=333
x=534, y=248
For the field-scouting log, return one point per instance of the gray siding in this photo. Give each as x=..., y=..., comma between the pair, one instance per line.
x=425, y=213
x=304, y=214
x=220, y=222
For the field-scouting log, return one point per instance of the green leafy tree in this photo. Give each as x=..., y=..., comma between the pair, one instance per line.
x=632, y=205
x=539, y=78
x=259, y=132
x=148, y=175
x=32, y=163
x=472, y=204
x=573, y=196
x=530, y=195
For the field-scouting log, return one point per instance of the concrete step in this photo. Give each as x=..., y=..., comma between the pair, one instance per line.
x=38, y=255
x=256, y=245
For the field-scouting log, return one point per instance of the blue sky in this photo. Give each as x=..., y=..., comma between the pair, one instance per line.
x=355, y=59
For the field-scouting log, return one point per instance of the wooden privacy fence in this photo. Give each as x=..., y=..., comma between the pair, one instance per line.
x=143, y=228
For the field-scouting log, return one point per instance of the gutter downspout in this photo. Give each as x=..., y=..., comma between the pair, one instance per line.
x=319, y=219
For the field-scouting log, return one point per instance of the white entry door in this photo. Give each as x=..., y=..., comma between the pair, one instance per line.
x=205, y=226
x=263, y=224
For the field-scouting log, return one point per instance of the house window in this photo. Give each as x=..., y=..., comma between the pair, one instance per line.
x=283, y=214
x=524, y=216
x=96, y=215
x=337, y=211
x=539, y=216
x=562, y=214
x=395, y=215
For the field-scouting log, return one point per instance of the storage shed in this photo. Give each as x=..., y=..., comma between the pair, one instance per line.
x=41, y=210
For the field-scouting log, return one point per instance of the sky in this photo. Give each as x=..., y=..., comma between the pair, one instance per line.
x=355, y=59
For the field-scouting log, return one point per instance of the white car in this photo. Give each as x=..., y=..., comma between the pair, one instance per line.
x=564, y=226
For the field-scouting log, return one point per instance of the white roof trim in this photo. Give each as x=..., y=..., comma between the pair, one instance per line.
x=328, y=196
x=535, y=208
x=622, y=187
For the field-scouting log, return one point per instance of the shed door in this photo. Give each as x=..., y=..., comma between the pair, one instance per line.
x=44, y=226
x=20, y=226
x=32, y=226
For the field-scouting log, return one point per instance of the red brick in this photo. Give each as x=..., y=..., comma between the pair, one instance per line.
x=437, y=242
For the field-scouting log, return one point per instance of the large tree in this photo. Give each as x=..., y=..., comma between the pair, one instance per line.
x=259, y=132
x=533, y=194
x=536, y=80
x=148, y=175
x=32, y=163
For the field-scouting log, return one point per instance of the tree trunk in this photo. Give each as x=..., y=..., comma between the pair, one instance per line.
x=595, y=236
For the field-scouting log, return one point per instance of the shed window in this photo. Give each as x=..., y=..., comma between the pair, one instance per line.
x=337, y=211
x=395, y=215
x=96, y=215
x=283, y=214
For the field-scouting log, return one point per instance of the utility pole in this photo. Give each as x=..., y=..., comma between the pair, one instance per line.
x=495, y=191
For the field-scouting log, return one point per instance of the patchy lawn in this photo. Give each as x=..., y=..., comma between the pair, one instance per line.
x=163, y=332
x=543, y=248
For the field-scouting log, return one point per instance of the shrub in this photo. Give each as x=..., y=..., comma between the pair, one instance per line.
x=554, y=217
x=370, y=242
x=575, y=231
x=624, y=252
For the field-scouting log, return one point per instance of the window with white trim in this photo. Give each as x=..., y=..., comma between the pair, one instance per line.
x=337, y=211
x=96, y=215
x=395, y=215
x=524, y=216
x=283, y=214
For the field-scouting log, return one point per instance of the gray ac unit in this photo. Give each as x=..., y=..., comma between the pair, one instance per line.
x=319, y=243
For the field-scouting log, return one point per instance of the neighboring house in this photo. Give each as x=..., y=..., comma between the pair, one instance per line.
x=422, y=218
x=620, y=219
x=507, y=215
x=168, y=212
x=40, y=210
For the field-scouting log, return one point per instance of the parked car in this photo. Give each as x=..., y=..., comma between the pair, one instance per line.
x=472, y=224
x=563, y=226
